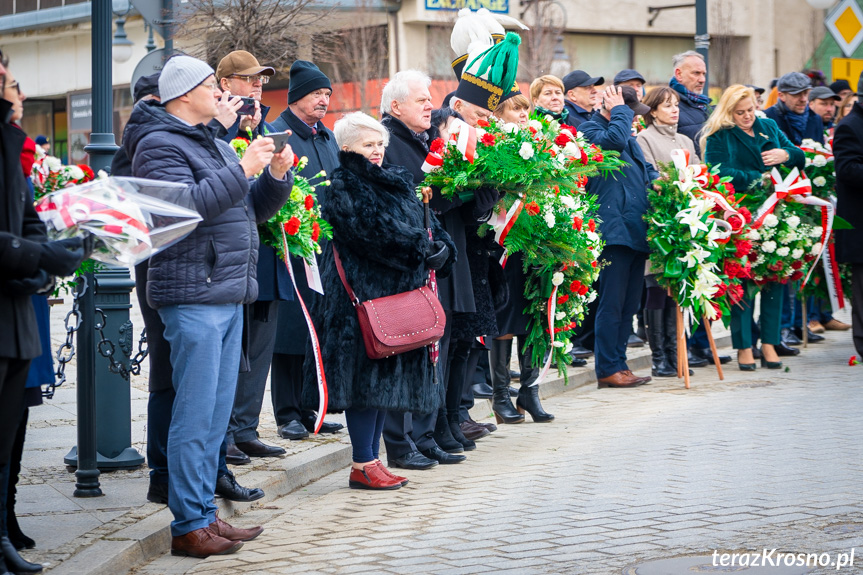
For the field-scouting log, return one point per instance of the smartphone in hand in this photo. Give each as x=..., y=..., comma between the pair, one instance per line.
x=280, y=139
x=248, y=107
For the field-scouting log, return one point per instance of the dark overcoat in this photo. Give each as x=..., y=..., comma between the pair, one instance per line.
x=21, y=233
x=848, y=156
x=320, y=148
x=814, y=124
x=691, y=120
x=739, y=154
x=378, y=228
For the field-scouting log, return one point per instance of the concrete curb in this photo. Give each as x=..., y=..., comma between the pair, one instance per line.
x=150, y=537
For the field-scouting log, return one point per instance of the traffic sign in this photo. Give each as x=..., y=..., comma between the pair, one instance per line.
x=847, y=69
x=149, y=65
x=845, y=24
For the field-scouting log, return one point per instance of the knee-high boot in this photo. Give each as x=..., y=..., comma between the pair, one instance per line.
x=656, y=338
x=528, y=395
x=504, y=412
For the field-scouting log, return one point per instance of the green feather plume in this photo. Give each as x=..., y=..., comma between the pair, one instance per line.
x=502, y=58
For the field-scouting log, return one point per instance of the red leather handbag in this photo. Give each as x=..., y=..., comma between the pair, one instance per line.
x=397, y=323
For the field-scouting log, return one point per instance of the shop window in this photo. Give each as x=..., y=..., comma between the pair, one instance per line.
x=652, y=56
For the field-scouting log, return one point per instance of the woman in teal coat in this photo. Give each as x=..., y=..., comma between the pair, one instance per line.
x=746, y=146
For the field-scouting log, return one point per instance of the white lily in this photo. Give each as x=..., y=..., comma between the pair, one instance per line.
x=692, y=218
x=694, y=256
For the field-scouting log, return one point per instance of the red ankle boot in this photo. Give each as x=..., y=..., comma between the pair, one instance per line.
x=403, y=480
x=371, y=477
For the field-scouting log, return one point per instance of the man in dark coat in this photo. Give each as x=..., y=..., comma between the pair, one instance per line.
x=240, y=74
x=26, y=263
x=406, y=107
x=579, y=88
x=690, y=75
x=161, y=391
x=308, y=100
x=199, y=284
x=793, y=116
x=622, y=204
x=848, y=154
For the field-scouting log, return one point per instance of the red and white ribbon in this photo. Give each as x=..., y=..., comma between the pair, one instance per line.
x=551, y=307
x=432, y=162
x=793, y=184
x=502, y=223
x=323, y=394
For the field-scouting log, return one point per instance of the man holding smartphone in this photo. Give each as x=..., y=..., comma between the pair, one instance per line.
x=240, y=74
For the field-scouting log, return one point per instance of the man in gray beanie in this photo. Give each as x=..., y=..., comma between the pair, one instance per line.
x=200, y=284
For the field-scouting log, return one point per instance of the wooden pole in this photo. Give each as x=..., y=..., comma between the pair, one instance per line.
x=713, y=348
x=805, y=331
x=681, y=347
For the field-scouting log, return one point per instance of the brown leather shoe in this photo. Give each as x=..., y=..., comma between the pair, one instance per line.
x=202, y=543
x=645, y=378
x=232, y=533
x=619, y=379
x=473, y=431
x=836, y=325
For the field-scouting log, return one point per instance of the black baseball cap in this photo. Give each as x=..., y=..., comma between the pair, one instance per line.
x=630, y=98
x=627, y=75
x=756, y=89
x=840, y=85
x=580, y=78
x=823, y=93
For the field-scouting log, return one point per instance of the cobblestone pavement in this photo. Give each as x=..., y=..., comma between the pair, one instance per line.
x=765, y=460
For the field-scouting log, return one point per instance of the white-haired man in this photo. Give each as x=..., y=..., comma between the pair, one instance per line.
x=689, y=77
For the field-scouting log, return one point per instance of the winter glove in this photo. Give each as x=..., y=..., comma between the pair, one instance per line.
x=440, y=254
x=62, y=257
x=484, y=201
x=41, y=283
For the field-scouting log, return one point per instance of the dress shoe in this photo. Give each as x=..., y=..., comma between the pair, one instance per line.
x=619, y=380
x=481, y=390
x=235, y=456
x=403, y=480
x=228, y=488
x=746, y=366
x=798, y=333
x=695, y=361
x=488, y=425
x=372, y=477
x=789, y=338
x=836, y=325
x=514, y=375
x=202, y=543
x=442, y=456
x=770, y=364
x=705, y=353
x=256, y=448
x=634, y=341
x=326, y=426
x=412, y=460
x=816, y=327
x=472, y=431
x=784, y=350
x=293, y=430
x=14, y=562
x=580, y=351
x=232, y=533
x=577, y=362
x=644, y=378
x=158, y=493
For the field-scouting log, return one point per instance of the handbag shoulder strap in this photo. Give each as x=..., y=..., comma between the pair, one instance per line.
x=354, y=299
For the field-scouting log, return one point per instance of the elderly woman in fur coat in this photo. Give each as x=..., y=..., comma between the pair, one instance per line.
x=379, y=232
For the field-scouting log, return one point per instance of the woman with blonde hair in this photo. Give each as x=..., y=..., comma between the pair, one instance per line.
x=546, y=94
x=745, y=146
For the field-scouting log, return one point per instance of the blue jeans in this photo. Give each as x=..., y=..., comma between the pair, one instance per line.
x=364, y=427
x=205, y=355
x=620, y=286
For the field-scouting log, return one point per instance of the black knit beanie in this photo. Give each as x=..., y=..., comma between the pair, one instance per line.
x=305, y=78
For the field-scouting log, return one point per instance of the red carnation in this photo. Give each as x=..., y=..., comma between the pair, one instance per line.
x=597, y=157
x=437, y=146
x=797, y=264
x=309, y=202
x=532, y=208
x=747, y=215
x=575, y=286
x=732, y=268
x=796, y=276
x=736, y=221
x=488, y=139
x=591, y=225
x=746, y=271
x=742, y=247
x=88, y=173
x=735, y=293
x=576, y=223
x=729, y=189
x=721, y=291
x=582, y=181
x=556, y=190
x=292, y=226
x=562, y=139
x=853, y=361
x=715, y=180
x=296, y=160
x=808, y=258
x=532, y=130
x=717, y=309
x=583, y=290
x=483, y=123
x=316, y=231
x=562, y=299
x=777, y=267
x=593, y=264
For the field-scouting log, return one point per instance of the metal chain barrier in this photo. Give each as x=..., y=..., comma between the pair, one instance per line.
x=143, y=352
x=66, y=351
x=106, y=347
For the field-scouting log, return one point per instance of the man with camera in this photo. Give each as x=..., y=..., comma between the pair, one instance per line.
x=240, y=74
x=199, y=284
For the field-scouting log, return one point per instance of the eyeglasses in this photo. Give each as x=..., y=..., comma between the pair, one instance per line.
x=253, y=79
x=15, y=85
x=214, y=87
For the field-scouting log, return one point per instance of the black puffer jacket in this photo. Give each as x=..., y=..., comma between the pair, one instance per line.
x=378, y=228
x=215, y=264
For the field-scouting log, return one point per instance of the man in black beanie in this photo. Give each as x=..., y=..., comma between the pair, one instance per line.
x=308, y=100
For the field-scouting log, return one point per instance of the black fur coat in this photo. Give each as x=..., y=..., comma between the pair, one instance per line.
x=379, y=230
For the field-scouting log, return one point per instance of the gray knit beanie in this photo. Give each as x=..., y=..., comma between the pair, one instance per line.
x=181, y=75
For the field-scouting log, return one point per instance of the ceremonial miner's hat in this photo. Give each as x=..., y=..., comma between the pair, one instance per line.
x=489, y=73
x=473, y=29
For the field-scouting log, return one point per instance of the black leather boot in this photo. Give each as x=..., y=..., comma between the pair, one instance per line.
x=443, y=435
x=15, y=562
x=504, y=412
x=669, y=316
x=458, y=434
x=528, y=395
x=655, y=328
